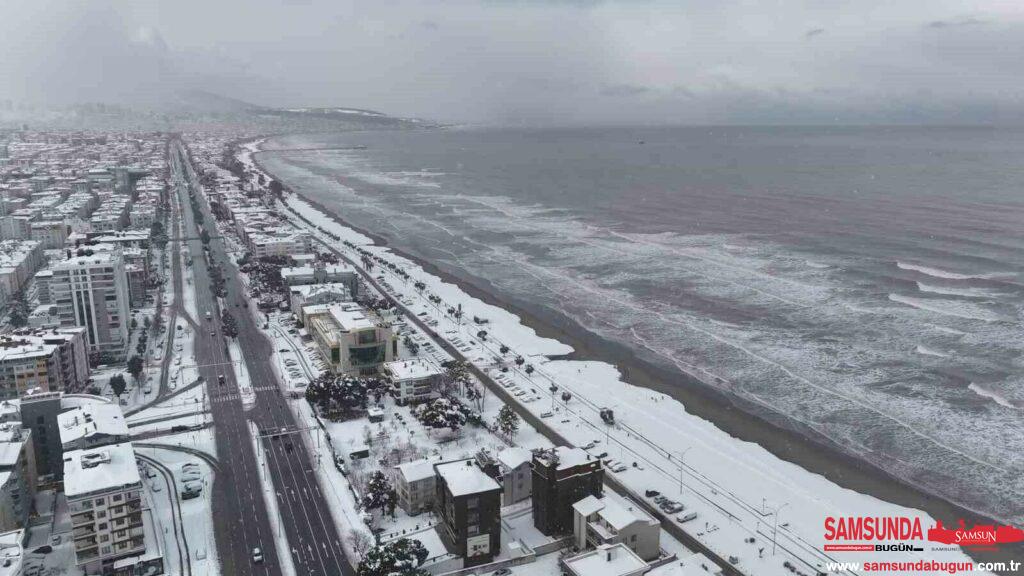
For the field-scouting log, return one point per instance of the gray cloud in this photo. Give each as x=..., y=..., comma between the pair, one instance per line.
x=957, y=23
x=524, y=62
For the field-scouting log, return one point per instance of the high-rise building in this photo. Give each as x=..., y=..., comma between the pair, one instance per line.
x=104, y=494
x=469, y=506
x=92, y=292
x=562, y=476
x=47, y=360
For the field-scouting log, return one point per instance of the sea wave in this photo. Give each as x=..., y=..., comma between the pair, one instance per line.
x=949, y=291
x=995, y=397
x=954, y=308
x=924, y=350
x=946, y=275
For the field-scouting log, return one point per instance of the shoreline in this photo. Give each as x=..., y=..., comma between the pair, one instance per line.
x=808, y=450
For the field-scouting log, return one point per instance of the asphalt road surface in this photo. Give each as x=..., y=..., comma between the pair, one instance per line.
x=242, y=522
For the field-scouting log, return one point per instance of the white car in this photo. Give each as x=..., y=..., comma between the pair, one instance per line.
x=257, y=556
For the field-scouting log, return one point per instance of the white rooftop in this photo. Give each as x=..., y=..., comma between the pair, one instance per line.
x=463, y=478
x=695, y=565
x=515, y=456
x=351, y=317
x=91, y=420
x=412, y=369
x=416, y=470
x=614, y=560
x=99, y=469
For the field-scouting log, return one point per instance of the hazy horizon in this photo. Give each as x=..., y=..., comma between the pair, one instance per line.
x=534, y=63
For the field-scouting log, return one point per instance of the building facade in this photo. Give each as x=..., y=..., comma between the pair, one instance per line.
x=416, y=486
x=92, y=292
x=351, y=340
x=469, y=507
x=561, y=477
x=104, y=495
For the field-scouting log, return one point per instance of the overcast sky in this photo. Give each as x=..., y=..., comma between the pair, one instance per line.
x=534, y=62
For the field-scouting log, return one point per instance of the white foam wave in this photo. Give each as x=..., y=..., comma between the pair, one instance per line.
x=994, y=396
x=949, y=308
x=948, y=291
x=818, y=265
x=939, y=273
x=923, y=350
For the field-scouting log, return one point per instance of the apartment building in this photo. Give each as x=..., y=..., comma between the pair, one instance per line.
x=48, y=360
x=19, y=260
x=614, y=520
x=415, y=380
x=314, y=294
x=561, y=477
x=92, y=291
x=416, y=486
x=104, y=495
x=469, y=507
x=92, y=425
x=51, y=234
x=351, y=339
x=17, y=476
x=322, y=274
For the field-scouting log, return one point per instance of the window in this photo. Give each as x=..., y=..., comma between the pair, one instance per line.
x=472, y=530
x=100, y=502
x=102, y=526
x=104, y=537
x=117, y=497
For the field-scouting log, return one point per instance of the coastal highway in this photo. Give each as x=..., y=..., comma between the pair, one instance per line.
x=313, y=538
x=240, y=517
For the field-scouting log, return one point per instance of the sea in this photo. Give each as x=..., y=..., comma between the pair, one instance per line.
x=862, y=284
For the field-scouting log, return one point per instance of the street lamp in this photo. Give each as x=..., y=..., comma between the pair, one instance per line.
x=776, y=528
x=681, y=456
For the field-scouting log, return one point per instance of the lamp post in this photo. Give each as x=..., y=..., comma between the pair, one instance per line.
x=776, y=528
x=681, y=456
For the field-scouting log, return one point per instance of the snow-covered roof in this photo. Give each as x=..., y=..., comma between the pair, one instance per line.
x=588, y=506
x=514, y=457
x=351, y=317
x=607, y=560
x=99, y=469
x=567, y=457
x=696, y=565
x=463, y=478
x=11, y=552
x=91, y=420
x=416, y=470
x=417, y=369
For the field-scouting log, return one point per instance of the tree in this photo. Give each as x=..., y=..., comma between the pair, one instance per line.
x=135, y=323
x=361, y=542
x=380, y=494
x=135, y=366
x=475, y=395
x=334, y=395
x=204, y=237
x=456, y=376
x=118, y=385
x=230, y=326
x=529, y=368
x=19, y=312
x=399, y=557
x=507, y=422
x=442, y=413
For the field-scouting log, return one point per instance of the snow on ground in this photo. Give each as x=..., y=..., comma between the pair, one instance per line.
x=196, y=514
x=267, y=487
x=245, y=390
x=194, y=419
x=732, y=506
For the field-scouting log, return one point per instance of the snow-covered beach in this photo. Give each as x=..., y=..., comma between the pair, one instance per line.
x=783, y=474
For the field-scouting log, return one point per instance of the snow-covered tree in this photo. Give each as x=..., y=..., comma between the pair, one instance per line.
x=442, y=413
x=333, y=394
x=507, y=422
x=380, y=494
x=400, y=557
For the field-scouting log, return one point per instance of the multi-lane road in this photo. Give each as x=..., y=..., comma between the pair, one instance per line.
x=241, y=520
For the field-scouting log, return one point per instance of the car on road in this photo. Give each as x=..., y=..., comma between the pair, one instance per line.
x=213, y=333
x=220, y=379
x=682, y=518
x=502, y=572
x=189, y=466
x=257, y=556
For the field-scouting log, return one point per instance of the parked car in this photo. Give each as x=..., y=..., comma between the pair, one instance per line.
x=686, y=517
x=652, y=493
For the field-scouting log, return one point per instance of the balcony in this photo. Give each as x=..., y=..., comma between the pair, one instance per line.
x=82, y=518
x=87, y=530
